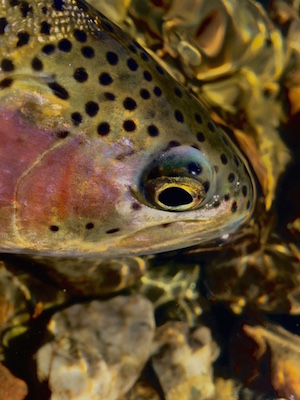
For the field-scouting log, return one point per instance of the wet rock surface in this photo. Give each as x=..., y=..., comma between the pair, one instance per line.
x=98, y=349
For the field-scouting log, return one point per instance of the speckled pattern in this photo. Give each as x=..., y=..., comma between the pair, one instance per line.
x=102, y=152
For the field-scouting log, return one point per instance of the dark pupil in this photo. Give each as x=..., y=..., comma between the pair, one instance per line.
x=174, y=197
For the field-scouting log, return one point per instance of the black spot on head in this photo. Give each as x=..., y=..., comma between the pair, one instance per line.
x=129, y=125
x=129, y=104
x=144, y=93
x=153, y=130
x=62, y=134
x=36, y=64
x=23, y=38
x=91, y=108
x=216, y=204
x=5, y=83
x=54, y=228
x=227, y=197
x=132, y=48
x=144, y=56
x=76, y=118
x=231, y=178
x=160, y=70
x=178, y=92
x=200, y=137
x=58, y=90
x=45, y=28
x=105, y=79
x=106, y=25
x=80, y=75
x=194, y=168
x=58, y=5
x=3, y=25
x=103, y=129
x=147, y=76
x=236, y=161
x=157, y=91
x=137, y=45
x=248, y=204
x=171, y=144
x=225, y=141
x=25, y=9
x=113, y=231
x=244, y=190
x=89, y=225
x=136, y=206
x=109, y=96
x=206, y=186
x=80, y=35
x=211, y=126
x=178, y=116
x=233, y=206
x=224, y=159
x=88, y=52
x=7, y=65
x=132, y=64
x=44, y=10
x=198, y=118
x=112, y=58
x=48, y=49
x=65, y=45
x=82, y=5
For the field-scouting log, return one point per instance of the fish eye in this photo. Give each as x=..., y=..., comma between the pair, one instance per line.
x=178, y=180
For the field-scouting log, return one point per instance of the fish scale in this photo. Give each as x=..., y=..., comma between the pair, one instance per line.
x=102, y=152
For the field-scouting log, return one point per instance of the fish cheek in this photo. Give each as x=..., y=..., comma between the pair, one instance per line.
x=66, y=190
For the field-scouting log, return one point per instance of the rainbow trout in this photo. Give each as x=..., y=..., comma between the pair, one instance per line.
x=102, y=153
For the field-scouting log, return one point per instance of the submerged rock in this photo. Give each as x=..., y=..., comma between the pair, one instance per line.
x=98, y=349
x=183, y=360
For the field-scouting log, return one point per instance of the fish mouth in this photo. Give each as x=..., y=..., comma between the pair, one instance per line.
x=144, y=241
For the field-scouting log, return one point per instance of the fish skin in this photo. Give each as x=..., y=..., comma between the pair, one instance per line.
x=94, y=132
